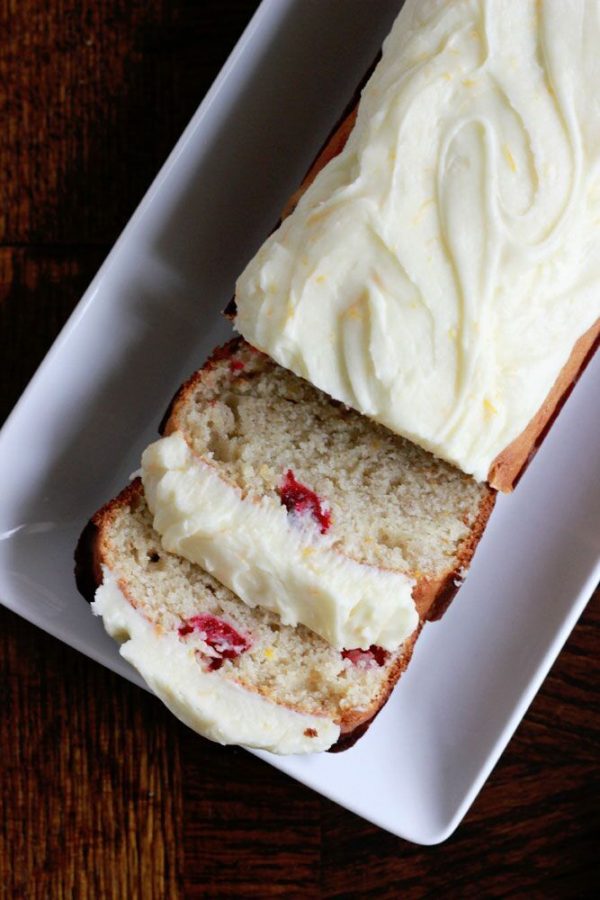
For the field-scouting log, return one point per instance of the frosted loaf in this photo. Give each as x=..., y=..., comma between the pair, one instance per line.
x=438, y=272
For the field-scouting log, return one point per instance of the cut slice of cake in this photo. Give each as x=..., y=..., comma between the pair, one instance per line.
x=304, y=507
x=233, y=674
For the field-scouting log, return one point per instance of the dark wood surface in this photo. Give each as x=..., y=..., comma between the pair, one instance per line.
x=102, y=792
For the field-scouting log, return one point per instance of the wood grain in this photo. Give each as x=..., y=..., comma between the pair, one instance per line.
x=91, y=779
x=102, y=792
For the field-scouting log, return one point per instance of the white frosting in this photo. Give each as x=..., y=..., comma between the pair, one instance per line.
x=438, y=272
x=209, y=703
x=268, y=560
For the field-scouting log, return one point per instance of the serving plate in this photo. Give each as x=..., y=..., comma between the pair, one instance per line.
x=150, y=317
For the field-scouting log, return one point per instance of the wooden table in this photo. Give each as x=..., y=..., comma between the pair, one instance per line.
x=103, y=793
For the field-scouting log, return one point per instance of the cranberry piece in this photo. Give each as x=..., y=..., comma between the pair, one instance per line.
x=375, y=655
x=236, y=365
x=215, y=663
x=299, y=499
x=222, y=637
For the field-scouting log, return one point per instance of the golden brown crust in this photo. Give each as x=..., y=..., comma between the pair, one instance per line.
x=354, y=725
x=92, y=549
x=353, y=719
x=332, y=148
x=88, y=574
x=433, y=596
x=334, y=144
x=169, y=422
x=510, y=464
x=432, y=599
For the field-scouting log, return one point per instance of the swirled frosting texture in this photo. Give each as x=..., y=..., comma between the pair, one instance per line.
x=437, y=273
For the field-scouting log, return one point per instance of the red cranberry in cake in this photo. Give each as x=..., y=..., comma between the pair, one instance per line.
x=300, y=500
x=219, y=635
x=374, y=656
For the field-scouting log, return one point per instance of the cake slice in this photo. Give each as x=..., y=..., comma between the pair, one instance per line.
x=306, y=508
x=233, y=674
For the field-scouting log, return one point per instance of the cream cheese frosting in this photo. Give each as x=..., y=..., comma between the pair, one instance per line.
x=252, y=547
x=437, y=273
x=217, y=708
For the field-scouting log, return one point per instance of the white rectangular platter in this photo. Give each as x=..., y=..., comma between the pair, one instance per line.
x=149, y=318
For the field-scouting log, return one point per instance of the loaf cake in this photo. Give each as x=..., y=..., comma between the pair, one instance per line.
x=234, y=674
x=409, y=332
x=307, y=508
x=438, y=270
